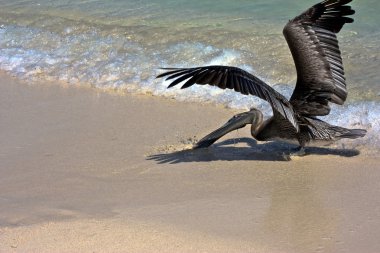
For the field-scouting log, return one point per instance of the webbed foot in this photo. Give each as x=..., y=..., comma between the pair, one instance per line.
x=300, y=151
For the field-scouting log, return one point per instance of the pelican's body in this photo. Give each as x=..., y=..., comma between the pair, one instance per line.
x=312, y=40
x=312, y=132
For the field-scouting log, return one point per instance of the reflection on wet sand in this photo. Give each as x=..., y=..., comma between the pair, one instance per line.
x=291, y=214
x=297, y=220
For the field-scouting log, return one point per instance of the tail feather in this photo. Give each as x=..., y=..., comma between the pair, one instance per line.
x=352, y=133
x=321, y=130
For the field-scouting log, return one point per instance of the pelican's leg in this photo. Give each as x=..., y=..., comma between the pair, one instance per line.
x=300, y=151
x=238, y=121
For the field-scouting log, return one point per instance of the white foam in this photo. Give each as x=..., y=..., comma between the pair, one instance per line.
x=362, y=115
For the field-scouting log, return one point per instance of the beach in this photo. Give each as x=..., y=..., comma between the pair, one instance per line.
x=96, y=153
x=83, y=170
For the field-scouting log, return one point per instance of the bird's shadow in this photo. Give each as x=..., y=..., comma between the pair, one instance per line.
x=229, y=151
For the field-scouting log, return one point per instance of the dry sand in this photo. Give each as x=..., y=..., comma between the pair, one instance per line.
x=87, y=171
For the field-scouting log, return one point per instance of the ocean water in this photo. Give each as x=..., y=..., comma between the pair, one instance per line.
x=120, y=45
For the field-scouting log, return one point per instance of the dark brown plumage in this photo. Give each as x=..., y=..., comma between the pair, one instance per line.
x=312, y=40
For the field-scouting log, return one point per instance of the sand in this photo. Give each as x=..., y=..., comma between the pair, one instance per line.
x=89, y=171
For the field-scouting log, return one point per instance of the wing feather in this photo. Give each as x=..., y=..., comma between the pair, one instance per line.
x=237, y=79
x=312, y=40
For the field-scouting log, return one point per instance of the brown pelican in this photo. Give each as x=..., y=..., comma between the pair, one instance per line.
x=312, y=40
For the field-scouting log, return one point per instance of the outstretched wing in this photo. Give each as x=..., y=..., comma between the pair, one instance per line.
x=312, y=40
x=237, y=79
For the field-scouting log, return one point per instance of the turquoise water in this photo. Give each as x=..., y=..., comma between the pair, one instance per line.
x=120, y=44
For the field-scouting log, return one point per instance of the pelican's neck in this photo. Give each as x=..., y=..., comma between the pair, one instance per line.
x=257, y=123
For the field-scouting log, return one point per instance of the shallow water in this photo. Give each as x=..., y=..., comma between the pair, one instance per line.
x=121, y=44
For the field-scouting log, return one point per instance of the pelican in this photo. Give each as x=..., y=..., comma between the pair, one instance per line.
x=312, y=40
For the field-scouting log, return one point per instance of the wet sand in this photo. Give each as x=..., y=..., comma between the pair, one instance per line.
x=87, y=171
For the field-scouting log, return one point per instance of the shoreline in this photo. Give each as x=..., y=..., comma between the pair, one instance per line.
x=85, y=170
